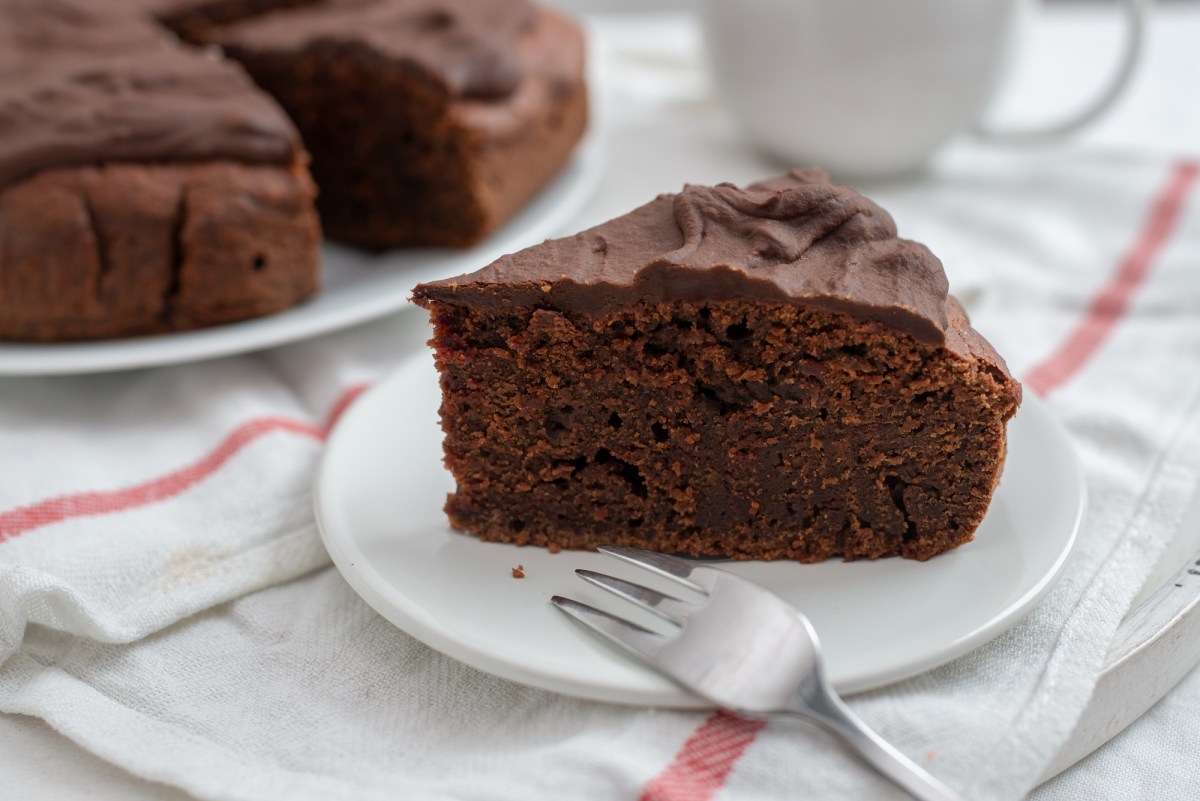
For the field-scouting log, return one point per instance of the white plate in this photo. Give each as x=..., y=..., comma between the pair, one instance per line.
x=379, y=494
x=357, y=287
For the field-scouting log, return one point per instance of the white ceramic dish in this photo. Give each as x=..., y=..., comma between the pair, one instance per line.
x=379, y=494
x=358, y=286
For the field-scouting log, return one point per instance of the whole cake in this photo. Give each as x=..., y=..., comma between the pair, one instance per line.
x=150, y=184
x=757, y=373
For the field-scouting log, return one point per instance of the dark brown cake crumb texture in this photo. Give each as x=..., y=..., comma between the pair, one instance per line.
x=747, y=430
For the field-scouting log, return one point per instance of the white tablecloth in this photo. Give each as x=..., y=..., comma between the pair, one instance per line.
x=661, y=128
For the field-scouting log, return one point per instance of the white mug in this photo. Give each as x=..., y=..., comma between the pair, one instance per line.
x=872, y=88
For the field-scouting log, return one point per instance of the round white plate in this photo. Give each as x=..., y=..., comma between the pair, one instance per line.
x=379, y=494
x=357, y=286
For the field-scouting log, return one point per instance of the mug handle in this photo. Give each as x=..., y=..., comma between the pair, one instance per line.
x=1135, y=19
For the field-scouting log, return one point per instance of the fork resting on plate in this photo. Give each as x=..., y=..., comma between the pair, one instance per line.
x=744, y=649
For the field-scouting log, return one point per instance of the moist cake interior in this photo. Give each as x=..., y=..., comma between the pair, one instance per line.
x=725, y=428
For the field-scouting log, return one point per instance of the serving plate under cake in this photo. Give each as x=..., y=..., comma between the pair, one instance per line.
x=379, y=495
x=357, y=287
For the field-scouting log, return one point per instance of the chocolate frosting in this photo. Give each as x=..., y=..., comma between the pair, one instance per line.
x=83, y=83
x=795, y=238
x=468, y=48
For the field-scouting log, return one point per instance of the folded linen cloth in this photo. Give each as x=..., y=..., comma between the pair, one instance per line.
x=165, y=601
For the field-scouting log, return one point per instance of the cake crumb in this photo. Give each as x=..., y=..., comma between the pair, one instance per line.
x=518, y=571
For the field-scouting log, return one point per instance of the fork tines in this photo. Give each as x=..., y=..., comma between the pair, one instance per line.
x=672, y=567
x=631, y=636
x=641, y=641
x=665, y=606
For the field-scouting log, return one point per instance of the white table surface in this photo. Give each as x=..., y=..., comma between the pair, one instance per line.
x=669, y=131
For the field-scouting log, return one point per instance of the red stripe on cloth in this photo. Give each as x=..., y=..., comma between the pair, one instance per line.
x=705, y=760
x=1112, y=302
x=85, y=504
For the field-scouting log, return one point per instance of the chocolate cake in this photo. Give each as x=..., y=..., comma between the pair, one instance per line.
x=148, y=185
x=429, y=122
x=143, y=187
x=757, y=373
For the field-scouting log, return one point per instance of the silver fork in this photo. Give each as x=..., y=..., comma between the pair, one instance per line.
x=744, y=649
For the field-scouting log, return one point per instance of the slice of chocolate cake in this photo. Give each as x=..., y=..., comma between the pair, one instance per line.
x=758, y=373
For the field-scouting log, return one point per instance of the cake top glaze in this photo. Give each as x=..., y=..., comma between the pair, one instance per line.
x=465, y=48
x=795, y=238
x=85, y=82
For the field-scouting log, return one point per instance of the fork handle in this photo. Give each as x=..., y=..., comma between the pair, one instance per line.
x=817, y=704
